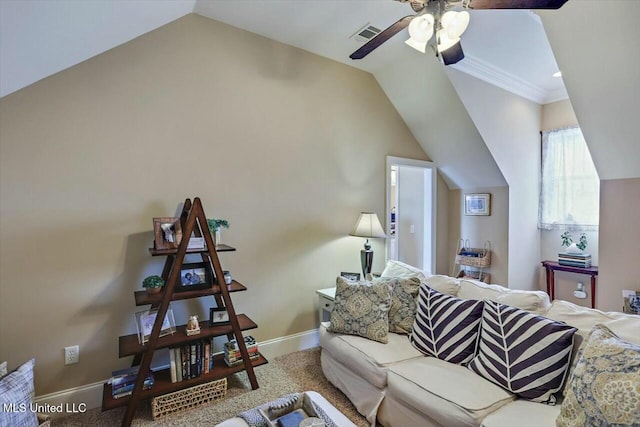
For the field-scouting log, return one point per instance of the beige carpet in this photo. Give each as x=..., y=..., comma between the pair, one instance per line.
x=295, y=372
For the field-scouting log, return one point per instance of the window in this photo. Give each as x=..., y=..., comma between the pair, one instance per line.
x=570, y=187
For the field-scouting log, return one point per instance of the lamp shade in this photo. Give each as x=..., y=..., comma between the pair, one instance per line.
x=420, y=31
x=368, y=225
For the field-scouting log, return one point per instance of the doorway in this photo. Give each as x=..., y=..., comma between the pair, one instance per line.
x=411, y=212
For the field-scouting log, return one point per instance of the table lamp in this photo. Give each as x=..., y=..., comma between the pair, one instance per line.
x=368, y=225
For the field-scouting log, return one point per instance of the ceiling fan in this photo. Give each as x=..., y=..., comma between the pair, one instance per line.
x=438, y=16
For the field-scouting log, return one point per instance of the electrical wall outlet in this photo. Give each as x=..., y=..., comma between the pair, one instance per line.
x=71, y=355
x=580, y=292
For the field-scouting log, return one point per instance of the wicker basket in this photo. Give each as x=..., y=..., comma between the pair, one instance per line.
x=188, y=398
x=484, y=260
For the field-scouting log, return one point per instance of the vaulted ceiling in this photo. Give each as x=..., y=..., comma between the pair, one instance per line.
x=507, y=48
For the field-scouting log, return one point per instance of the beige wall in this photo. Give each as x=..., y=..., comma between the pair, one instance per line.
x=479, y=229
x=286, y=145
x=619, y=241
x=557, y=115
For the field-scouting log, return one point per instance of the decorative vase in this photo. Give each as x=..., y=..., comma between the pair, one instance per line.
x=217, y=239
x=573, y=249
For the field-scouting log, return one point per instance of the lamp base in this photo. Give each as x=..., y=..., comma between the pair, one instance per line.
x=366, y=258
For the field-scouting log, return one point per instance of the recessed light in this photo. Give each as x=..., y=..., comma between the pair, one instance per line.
x=557, y=74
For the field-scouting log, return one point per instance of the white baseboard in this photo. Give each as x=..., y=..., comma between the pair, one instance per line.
x=90, y=396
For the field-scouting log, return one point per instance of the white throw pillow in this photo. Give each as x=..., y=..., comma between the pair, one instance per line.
x=443, y=284
x=397, y=269
x=533, y=301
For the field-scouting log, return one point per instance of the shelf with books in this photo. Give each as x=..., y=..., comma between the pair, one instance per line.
x=130, y=346
x=190, y=221
x=144, y=298
x=163, y=384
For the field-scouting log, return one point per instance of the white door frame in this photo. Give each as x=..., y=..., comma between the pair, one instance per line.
x=430, y=219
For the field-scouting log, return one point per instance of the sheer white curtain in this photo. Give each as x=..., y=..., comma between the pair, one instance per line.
x=570, y=187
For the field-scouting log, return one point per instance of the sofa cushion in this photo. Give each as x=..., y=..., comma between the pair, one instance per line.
x=626, y=326
x=526, y=354
x=17, y=389
x=605, y=386
x=403, y=303
x=369, y=359
x=362, y=308
x=443, y=284
x=447, y=393
x=446, y=327
x=533, y=301
x=400, y=269
x=523, y=413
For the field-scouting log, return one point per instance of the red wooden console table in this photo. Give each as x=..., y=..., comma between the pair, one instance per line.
x=552, y=267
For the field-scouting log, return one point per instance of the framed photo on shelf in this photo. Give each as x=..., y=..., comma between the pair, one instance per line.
x=350, y=276
x=218, y=316
x=167, y=232
x=195, y=276
x=631, y=302
x=477, y=204
x=145, y=321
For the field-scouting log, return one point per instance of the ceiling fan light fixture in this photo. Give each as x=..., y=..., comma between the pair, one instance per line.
x=455, y=23
x=420, y=31
x=444, y=41
x=453, y=55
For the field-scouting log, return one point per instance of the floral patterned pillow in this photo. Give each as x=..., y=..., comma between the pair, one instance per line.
x=604, y=388
x=403, y=303
x=362, y=308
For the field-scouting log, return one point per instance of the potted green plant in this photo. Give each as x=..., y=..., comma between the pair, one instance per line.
x=572, y=247
x=214, y=228
x=153, y=284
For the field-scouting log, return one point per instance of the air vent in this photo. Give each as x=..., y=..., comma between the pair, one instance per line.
x=366, y=33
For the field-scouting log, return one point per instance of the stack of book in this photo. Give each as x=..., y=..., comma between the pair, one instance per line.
x=232, y=355
x=123, y=381
x=574, y=260
x=191, y=360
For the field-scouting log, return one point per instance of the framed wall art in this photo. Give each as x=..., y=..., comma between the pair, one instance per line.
x=195, y=276
x=167, y=232
x=477, y=204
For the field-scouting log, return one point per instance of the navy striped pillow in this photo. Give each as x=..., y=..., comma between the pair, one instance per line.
x=446, y=327
x=526, y=354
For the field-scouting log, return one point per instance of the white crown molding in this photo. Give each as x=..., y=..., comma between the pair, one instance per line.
x=484, y=71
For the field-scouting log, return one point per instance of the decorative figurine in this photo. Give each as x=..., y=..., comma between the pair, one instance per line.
x=193, y=327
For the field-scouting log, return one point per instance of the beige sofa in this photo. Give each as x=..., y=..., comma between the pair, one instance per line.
x=397, y=386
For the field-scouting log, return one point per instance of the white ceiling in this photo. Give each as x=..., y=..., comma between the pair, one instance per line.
x=506, y=48
x=40, y=38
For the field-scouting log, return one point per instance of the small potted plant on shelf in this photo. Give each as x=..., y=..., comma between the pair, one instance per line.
x=572, y=247
x=214, y=228
x=153, y=284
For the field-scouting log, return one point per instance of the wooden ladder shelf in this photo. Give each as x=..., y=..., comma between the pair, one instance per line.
x=193, y=221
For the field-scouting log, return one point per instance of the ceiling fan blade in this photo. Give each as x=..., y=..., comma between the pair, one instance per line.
x=453, y=54
x=516, y=4
x=385, y=35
